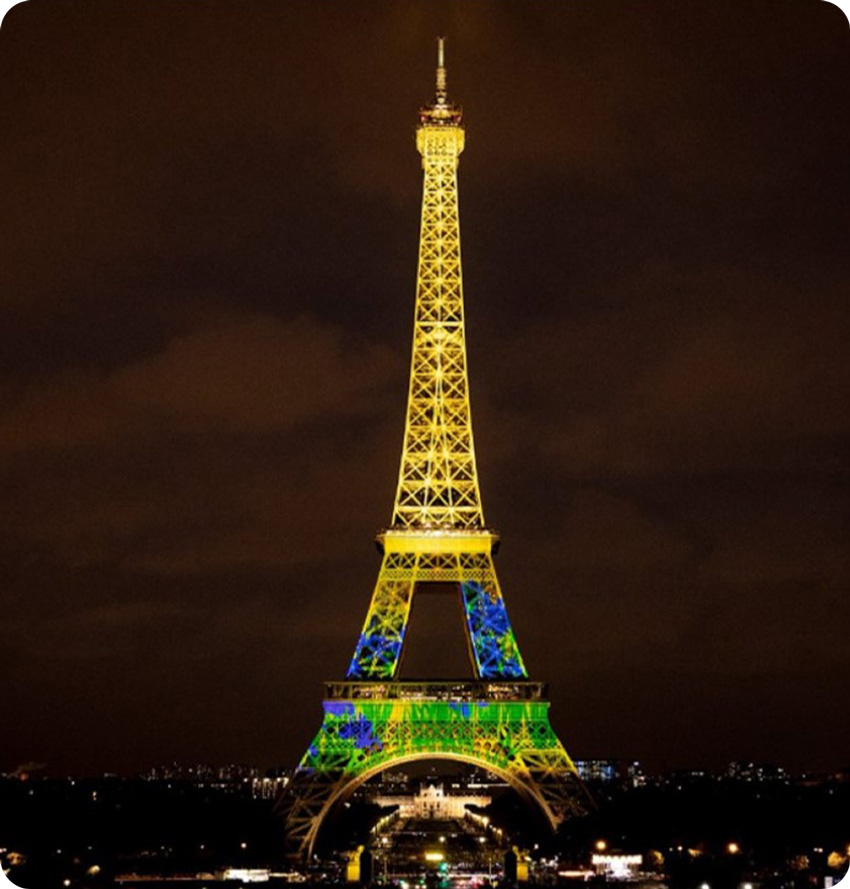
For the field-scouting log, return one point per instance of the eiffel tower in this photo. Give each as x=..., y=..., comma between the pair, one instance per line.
x=372, y=720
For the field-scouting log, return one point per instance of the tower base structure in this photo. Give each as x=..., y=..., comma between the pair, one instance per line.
x=500, y=726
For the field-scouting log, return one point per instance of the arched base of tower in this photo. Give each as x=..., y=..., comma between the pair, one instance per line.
x=368, y=727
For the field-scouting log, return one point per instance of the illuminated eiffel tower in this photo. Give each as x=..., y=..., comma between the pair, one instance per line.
x=372, y=720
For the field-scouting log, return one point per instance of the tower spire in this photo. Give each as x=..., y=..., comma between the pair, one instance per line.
x=441, y=71
x=441, y=112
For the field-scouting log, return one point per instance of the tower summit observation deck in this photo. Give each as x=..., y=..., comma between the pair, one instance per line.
x=497, y=719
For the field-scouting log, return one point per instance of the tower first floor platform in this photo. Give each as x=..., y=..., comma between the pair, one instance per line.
x=370, y=726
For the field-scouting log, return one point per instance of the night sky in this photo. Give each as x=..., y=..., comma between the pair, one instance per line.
x=210, y=214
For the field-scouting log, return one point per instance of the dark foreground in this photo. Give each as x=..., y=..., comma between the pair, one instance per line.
x=689, y=833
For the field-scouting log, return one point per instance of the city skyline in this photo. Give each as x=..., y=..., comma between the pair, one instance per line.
x=213, y=223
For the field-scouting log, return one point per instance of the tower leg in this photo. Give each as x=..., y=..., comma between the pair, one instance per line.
x=493, y=648
x=379, y=647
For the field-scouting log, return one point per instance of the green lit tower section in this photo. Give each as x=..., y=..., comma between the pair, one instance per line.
x=498, y=719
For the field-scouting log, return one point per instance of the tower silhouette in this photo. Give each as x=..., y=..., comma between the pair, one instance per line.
x=372, y=719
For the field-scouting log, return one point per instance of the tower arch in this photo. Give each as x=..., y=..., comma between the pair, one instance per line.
x=346, y=787
x=367, y=727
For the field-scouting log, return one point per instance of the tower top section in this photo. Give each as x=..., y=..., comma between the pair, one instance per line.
x=441, y=112
x=438, y=481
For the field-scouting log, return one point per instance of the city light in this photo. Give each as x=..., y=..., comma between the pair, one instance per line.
x=247, y=875
x=617, y=867
x=733, y=848
x=434, y=856
x=601, y=845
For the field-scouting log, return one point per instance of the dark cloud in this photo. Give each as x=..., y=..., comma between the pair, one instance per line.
x=209, y=228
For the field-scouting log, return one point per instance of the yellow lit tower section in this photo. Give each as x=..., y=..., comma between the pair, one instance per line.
x=438, y=483
x=438, y=531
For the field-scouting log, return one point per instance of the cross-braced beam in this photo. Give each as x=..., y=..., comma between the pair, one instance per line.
x=359, y=737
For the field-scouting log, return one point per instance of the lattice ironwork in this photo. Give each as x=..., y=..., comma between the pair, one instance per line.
x=438, y=481
x=499, y=720
x=493, y=649
x=359, y=738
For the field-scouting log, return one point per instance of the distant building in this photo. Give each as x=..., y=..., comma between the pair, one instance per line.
x=681, y=778
x=203, y=773
x=616, y=866
x=610, y=771
x=757, y=773
x=268, y=787
x=433, y=802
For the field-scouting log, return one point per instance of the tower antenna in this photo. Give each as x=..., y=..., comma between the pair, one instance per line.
x=441, y=71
